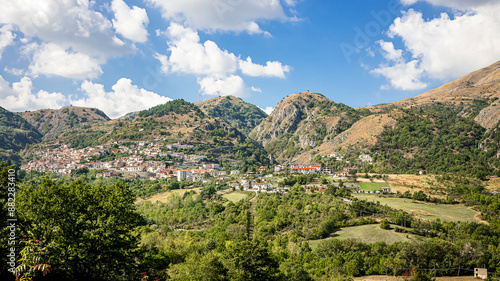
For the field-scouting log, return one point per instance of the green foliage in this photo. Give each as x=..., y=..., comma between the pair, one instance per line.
x=436, y=139
x=243, y=116
x=15, y=132
x=8, y=184
x=31, y=261
x=250, y=260
x=86, y=229
x=385, y=224
x=178, y=106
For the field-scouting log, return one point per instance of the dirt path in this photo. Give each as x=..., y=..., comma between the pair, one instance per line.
x=251, y=223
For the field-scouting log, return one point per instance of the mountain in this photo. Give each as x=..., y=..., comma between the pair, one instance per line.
x=481, y=87
x=301, y=122
x=238, y=113
x=176, y=121
x=52, y=122
x=15, y=134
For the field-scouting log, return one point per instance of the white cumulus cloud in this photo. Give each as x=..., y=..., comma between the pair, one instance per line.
x=268, y=110
x=215, y=69
x=51, y=59
x=131, y=23
x=20, y=96
x=69, y=23
x=74, y=29
x=124, y=98
x=271, y=69
x=188, y=55
x=6, y=37
x=401, y=74
x=232, y=85
x=257, y=90
x=221, y=15
x=445, y=47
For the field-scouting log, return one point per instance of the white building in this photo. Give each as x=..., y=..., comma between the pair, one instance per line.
x=262, y=186
x=182, y=175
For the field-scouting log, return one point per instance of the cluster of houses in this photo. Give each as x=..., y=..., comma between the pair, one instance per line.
x=140, y=162
x=251, y=185
x=311, y=169
x=64, y=160
x=365, y=158
x=200, y=174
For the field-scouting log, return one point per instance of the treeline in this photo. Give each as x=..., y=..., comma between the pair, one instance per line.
x=434, y=138
x=178, y=106
x=95, y=232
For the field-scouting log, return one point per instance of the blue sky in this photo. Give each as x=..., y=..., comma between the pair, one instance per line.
x=122, y=56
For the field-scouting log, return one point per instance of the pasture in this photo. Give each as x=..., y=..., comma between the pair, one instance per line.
x=370, y=233
x=424, y=210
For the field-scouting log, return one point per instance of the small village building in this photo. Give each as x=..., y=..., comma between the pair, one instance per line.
x=262, y=186
x=182, y=175
x=481, y=273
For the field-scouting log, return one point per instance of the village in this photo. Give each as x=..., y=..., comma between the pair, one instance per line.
x=145, y=160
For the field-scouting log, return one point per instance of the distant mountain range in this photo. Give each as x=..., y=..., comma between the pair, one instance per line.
x=457, y=122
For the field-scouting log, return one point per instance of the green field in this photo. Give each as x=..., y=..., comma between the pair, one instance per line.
x=369, y=234
x=236, y=196
x=372, y=186
x=427, y=211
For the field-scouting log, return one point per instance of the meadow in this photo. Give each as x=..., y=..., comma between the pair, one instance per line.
x=236, y=196
x=372, y=186
x=370, y=233
x=445, y=212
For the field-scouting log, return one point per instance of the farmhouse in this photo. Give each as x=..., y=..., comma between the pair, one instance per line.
x=262, y=186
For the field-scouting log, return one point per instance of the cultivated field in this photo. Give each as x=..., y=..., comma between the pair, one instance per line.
x=162, y=197
x=372, y=186
x=424, y=210
x=236, y=196
x=414, y=183
x=369, y=234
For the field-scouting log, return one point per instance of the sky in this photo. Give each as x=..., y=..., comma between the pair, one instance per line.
x=123, y=56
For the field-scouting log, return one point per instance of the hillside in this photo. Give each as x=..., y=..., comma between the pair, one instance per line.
x=301, y=122
x=51, y=123
x=15, y=134
x=362, y=135
x=239, y=114
x=479, y=87
x=177, y=121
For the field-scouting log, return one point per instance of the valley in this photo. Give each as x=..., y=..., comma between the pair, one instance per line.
x=317, y=187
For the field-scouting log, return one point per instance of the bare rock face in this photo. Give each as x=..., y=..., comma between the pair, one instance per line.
x=489, y=116
x=301, y=122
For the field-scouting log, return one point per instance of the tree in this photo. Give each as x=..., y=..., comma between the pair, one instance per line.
x=86, y=229
x=208, y=267
x=385, y=224
x=8, y=181
x=31, y=261
x=250, y=260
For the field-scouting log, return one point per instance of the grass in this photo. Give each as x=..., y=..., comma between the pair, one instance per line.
x=429, y=211
x=236, y=196
x=372, y=186
x=369, y=234
x=163, y=196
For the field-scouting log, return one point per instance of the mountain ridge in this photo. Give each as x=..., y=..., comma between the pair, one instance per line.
x=240, y=114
